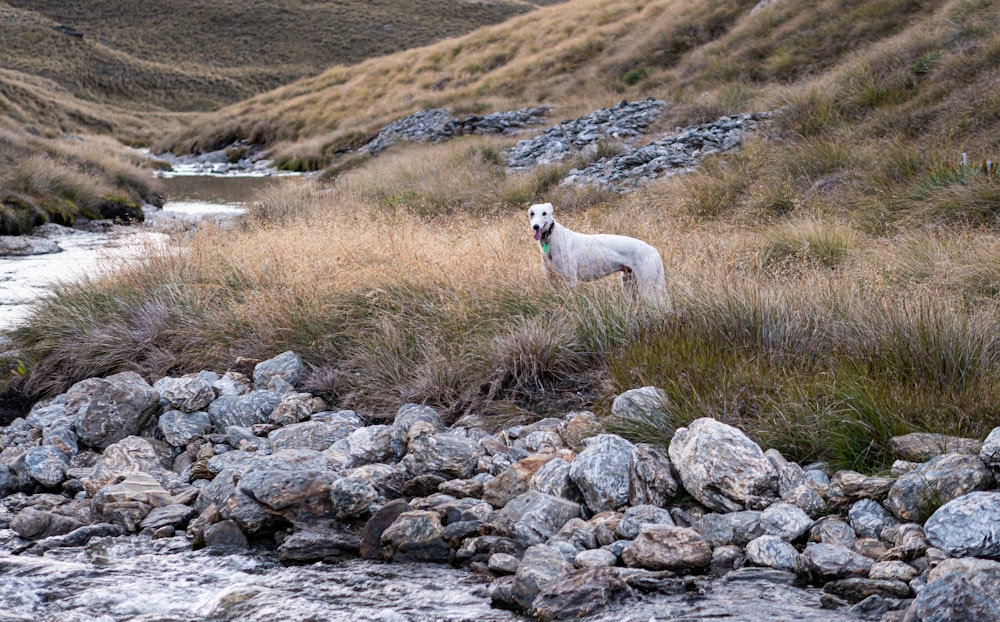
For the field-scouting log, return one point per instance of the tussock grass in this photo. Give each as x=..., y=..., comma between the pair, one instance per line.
x=59, y=180
x=824, y=354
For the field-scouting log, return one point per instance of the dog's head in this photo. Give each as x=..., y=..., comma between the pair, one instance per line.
x=540, y=215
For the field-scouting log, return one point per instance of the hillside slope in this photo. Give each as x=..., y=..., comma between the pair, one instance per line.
x=923, y=61
x=180, y=56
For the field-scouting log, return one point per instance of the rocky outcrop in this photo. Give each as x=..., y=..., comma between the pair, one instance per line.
x=436, y=125
x=626, y=121
x=623, y=128
x=563, y=516
x=676, y=153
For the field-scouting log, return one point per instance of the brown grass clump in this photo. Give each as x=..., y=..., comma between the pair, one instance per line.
x=60, y=180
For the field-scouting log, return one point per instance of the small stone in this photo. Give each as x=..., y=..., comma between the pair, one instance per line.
x=225, y=534
x=923, y=446
x=595, y=558
x=893, y=571
x=503, y=564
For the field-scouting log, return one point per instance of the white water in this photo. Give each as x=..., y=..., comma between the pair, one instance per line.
x=136, y=579
x=23, y=280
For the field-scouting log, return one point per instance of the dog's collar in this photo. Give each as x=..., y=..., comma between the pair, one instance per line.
x=544, y=238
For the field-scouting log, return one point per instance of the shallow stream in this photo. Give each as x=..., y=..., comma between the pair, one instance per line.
x=142, y=580
x=191, y=198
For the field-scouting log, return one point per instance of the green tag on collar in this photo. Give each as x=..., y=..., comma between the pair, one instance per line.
x=545, y=247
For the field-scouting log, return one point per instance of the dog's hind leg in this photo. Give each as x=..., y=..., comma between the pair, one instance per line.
x=629, y=281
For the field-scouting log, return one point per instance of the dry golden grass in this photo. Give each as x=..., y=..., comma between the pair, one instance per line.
x=825, y=351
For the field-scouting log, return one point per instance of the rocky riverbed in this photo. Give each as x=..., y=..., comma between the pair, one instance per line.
x=242, y=473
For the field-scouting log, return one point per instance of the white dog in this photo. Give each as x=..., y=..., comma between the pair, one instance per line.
x=577, y=257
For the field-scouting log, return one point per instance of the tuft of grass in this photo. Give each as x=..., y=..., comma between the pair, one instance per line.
x=69, y=178
x=806, y=243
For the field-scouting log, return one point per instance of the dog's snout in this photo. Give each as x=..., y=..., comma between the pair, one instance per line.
x=534, y=226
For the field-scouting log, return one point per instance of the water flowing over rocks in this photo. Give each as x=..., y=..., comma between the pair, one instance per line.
x=561, y=517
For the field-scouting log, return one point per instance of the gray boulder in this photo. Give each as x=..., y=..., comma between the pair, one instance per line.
x=641, y=407
x=540, y=567
x=833, y=530
x=651, y=477
x=601, y=472
x=923, y=446
x=665, y=547
x=595, y=558
x=130, y=455
x=47, y=465
x=129, y=501
x=223, y=497
x=832, y=561
x=173, y=514
x=327, y=542
x=916, y=494
x=367, y=445
x=721, y=467
x=188, y=393
x=447, y=454
x=415, y=536
x=352, y=497
x=406, y=416
x=515, y=479
x=180, y=428
x=579, y=426
x=737, y=528
x=293, y=408
x=785, y=521
x=958, y=590
x=299, y=495
x=553, y=478
x=534, y=517
x=990, y=451
x=638, y=516
x=576, y=595
x=316, y=435
x=106, y=410
x=244, y=410
x=224, y=535
x=774, y=552
x=869, y=518
x=967, y=526
x=286, y=369
x=37, y=523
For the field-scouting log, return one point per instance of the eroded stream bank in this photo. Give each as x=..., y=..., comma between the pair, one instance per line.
x=34, y=264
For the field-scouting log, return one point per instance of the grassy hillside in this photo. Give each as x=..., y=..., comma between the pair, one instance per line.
x=179, y=55
x=835, y=283
x=708, y=57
